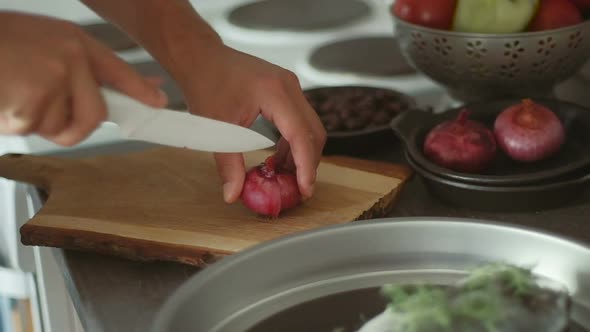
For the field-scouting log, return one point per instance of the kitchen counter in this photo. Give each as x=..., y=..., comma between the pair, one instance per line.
x=112, y=294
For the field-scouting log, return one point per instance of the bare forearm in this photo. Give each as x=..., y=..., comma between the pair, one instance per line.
x=171, y=30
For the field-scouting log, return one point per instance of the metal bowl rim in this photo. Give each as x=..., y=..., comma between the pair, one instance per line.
x=184, y=291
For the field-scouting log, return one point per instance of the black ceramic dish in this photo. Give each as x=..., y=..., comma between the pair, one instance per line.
x=413, y=126
x=534, y=197
x=362, y=140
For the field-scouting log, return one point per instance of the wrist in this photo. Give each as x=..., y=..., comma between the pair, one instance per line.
x=171, y=31
x=186, y=49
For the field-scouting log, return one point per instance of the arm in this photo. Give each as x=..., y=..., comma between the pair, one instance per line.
x=172, y=31
x=223, y=83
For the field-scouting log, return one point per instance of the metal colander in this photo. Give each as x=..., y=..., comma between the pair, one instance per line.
x=483, y=66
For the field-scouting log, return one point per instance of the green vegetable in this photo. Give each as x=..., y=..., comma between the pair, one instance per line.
x=478, y=300
x=494, y=16
x=511, y=278
x=483, y=306
x=424, y=309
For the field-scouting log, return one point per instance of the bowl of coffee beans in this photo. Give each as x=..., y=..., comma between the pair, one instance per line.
x=357, y=118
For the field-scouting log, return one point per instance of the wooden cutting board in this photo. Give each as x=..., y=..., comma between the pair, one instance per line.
x=166, y=203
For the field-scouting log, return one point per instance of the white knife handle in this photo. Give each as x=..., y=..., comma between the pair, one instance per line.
x=125, y=111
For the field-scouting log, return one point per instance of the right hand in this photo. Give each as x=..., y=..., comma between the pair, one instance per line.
x=51, y=75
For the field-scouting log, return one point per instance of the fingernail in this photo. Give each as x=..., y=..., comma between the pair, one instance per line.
x=227, y=192
x=17, y=123
x=309, y=193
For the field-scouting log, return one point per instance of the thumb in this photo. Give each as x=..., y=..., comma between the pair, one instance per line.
x=109, y=69
x=231, y=169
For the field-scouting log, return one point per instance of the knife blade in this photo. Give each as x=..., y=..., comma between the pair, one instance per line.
x=138, y=121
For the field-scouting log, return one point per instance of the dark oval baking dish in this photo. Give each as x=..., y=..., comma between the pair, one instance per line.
x=413, y=126
x=533, y=197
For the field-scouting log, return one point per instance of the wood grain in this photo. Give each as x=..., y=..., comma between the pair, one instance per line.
x=166, y=203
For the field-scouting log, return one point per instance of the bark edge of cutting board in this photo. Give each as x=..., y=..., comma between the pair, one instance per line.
x=33, y=233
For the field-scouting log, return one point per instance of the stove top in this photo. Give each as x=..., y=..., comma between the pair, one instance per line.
x=378, y=56
x=300, y=15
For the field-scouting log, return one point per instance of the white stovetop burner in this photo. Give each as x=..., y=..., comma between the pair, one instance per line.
x=292, y=50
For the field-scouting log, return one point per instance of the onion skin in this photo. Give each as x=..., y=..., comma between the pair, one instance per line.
x=461, y=145
x=269, y=189
x=529, y=131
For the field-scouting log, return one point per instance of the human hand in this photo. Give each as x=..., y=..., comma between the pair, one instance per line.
x=235, y=87
x=51, y=74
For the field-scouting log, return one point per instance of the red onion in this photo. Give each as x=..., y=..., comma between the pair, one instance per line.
x=269, y=189
x=529, y=131
x=461, y=145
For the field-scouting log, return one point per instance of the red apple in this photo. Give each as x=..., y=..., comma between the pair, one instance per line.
x=582, y=4
x=436, y=14
x=554, y=14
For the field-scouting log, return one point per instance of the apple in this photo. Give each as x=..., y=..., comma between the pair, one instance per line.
x=582, y=4
x=494, y=16
x=435, y=14
x=554, y=14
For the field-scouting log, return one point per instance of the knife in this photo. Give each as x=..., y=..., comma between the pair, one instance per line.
x=138, y=121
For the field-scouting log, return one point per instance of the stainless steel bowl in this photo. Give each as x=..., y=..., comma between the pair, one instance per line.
x=246, y=289
x=474, y=66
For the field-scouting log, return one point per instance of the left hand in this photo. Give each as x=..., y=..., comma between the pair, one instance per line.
x=235, y=87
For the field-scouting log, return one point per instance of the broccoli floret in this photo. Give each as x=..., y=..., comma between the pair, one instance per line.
x=477, y=300
x=516, y=280
x=424, y=307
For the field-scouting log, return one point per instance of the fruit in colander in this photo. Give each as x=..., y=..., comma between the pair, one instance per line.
x=582, y=4
x=436, y=14
x=494, y=16
x=554, y=14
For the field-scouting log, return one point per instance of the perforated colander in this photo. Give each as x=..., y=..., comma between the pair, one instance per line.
x=483, y=66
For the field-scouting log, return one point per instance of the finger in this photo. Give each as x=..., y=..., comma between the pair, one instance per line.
x=155, y=81
x=23, y=117
x=318, y=129
x=56, y=117
x=231, y=169
x=111, y=70
x=88, y=109
x=12, y=125
x=296, y=130
x=4, y=129
x=317, y=134
x=282, y=151
x=284, y=157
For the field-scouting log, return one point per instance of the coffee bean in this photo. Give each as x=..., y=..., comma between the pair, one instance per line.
x=381, y=117
x=365, y=115
x=355, y=108
x=331, y=121
x=353, y=124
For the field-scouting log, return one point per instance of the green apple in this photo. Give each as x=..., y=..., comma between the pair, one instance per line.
x=494, y=16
